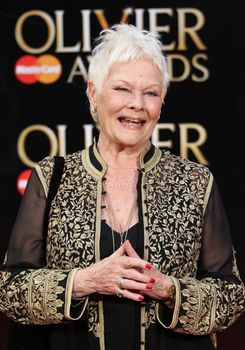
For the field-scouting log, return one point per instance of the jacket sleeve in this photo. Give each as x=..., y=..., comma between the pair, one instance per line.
x=30, y=293
x=215, y=298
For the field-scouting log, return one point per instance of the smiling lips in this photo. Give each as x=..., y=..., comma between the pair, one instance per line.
x=131, y=121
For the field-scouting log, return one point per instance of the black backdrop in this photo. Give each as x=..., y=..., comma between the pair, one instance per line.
x=206, y=96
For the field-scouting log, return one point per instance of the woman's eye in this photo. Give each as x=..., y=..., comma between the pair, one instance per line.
x=151, y=93
x=120, y=88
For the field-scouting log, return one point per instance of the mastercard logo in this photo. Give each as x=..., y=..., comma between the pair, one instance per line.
x=22, y=180
x=45, y=69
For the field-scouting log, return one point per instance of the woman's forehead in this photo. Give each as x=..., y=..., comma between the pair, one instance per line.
x=140, y=69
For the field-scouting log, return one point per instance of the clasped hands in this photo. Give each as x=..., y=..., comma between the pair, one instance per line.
x=123, y=274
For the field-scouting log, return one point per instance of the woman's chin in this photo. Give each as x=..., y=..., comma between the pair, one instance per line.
x=131, y=140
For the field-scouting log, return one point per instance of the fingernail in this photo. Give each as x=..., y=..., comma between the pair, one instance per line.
x=141, y=298
x=149, y=286
x=148, y=266
x=152, y=280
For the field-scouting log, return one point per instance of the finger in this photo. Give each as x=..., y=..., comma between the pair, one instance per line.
x=119, y=252
x=134, y=286
x=130, y=250
x=134, y=262
x=132, y=253
x=137, y=276
x=132, y=296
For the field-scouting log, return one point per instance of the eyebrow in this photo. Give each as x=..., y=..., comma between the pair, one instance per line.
x=128, y=83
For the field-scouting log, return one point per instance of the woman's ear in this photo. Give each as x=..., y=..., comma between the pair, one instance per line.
x=91, y=93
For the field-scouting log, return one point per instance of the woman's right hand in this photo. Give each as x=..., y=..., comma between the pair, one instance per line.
x=122, y=273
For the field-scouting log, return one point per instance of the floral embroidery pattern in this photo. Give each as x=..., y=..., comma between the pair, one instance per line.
x=175, y=191
x=175, y=223
x=72, y=218
x=33, y=296
x=71, y=238
x=93, y=317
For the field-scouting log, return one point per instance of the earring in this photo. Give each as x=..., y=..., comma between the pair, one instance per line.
x=93, y=109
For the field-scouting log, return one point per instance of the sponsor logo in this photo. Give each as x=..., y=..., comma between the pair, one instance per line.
x=22, y=180
x=45, y=69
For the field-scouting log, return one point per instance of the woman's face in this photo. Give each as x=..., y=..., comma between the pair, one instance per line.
x=129, y=104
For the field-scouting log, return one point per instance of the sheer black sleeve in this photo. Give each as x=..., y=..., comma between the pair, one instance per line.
x=31, y=293
x=216, y=254
x=26, y=246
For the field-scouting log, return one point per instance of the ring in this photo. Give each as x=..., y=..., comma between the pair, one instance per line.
x=119, y=292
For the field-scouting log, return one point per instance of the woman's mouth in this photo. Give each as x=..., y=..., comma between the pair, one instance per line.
x=131, y=121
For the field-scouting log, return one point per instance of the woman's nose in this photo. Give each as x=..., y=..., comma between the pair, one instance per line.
x=137, y=101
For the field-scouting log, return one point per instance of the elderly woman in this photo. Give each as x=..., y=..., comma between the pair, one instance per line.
x=138, y=253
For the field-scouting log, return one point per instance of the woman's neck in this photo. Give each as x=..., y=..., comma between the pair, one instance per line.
x=119, y=157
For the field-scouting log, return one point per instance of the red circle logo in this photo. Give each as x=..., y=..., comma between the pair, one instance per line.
x=45, y=69
x=22, y=180
x=25, y=69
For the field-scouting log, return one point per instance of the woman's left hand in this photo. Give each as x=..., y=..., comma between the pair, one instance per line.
x=161, y=287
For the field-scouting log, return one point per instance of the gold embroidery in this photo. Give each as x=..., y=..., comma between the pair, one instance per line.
x=177, y=192
x=34, y=296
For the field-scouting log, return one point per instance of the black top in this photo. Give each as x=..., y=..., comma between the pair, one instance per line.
x=121, y=315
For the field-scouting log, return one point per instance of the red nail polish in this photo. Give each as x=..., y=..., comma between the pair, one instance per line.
x=149, y=286
x=152, y=280
x=141, y=298
x=148, y=266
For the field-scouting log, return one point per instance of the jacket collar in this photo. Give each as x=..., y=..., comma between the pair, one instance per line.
x=96, y=166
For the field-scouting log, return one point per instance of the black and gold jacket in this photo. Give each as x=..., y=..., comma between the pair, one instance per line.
x=184, y=237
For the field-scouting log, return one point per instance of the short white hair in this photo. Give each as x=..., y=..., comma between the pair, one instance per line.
x=125, y=43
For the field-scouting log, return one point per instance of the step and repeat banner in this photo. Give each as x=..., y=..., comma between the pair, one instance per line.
x=45, y=48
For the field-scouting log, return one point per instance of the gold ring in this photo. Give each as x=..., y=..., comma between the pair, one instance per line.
x=120, y=292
